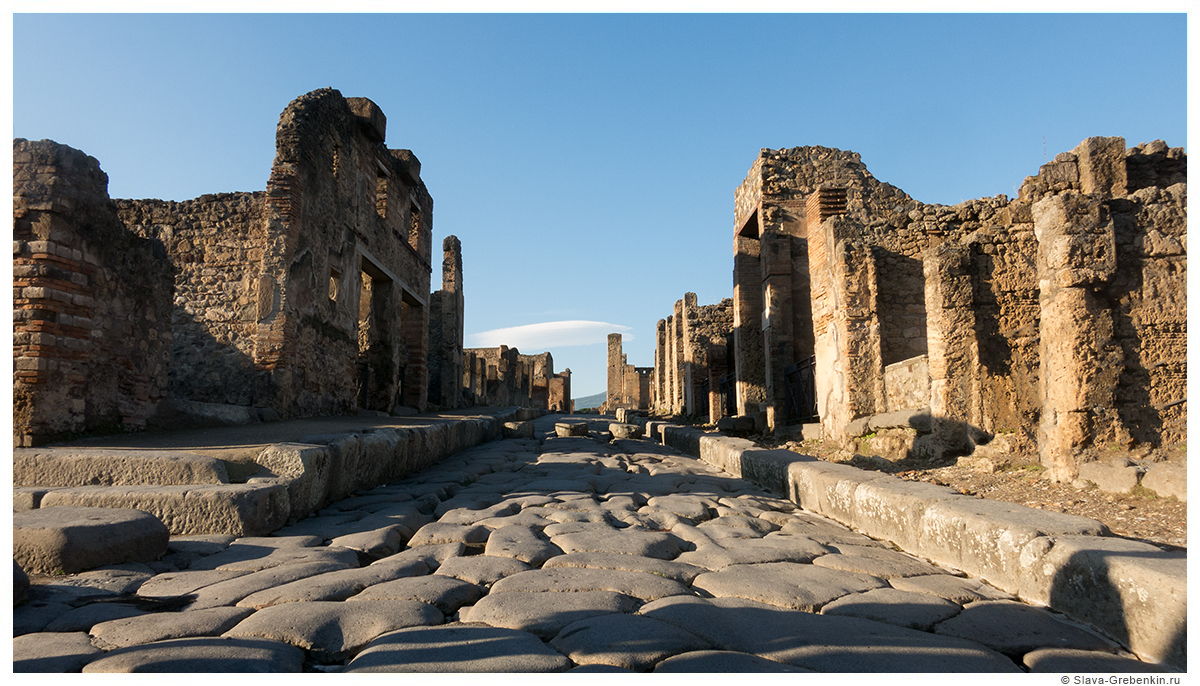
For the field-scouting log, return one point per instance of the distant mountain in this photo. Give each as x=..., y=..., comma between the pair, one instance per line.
x=591, y=400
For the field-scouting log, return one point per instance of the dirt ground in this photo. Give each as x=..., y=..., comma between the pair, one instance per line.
x=1142, y=516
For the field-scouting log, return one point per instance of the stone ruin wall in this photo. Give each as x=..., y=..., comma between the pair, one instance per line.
x=503, y=377
x=446, y=311
x=91, y=303
x=628, y=387
x=680, y=382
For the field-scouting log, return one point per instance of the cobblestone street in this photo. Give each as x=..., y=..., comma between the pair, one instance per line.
x=547, y=554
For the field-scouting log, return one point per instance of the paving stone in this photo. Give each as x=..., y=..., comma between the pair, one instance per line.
x=188, y=581
x=1068, y=661
x=678, y=571
x=640, y=585
x=376, y=544
x=60, y=653
x=446, y=593
x=526, y=518
x=880, y=562
x=20, y=584
x=252, y=558
x=126, y=578
x=521, y=543
x=231, y=591
x=953, y=588
x=718, y=557
x=467, y=501
x=740, y=521
x=902, y=608
x=785, y=584
x=824, y=531
x=1014, y=628
x=458, y=648
x=333, y=631
x=468, y=516
x=84, y=618
x=54, y=540
x=557, y=485
x=663, y=546
x=336, y=585
x=484, y=570
x=561, y=528
x=545, y=614
x=437, y=534
x=200, y=544
x=159, y=626
x=599, y=669
x=202, y=654
x=574, y=516
x=821, y=642
x=626, y=641
x=722, y=661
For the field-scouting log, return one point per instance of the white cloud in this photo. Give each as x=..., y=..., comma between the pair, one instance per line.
x=537, y=337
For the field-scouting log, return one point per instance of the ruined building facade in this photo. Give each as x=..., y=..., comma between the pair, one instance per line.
x=311, y=298
x=628, y=386
x=691, y=360
x=502, y=376
x=1057, y=319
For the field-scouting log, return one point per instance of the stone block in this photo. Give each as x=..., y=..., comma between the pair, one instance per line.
x=72, y=539
x=828, y=488
x=1109, y=478
x=620, y=430
x=566, y=429
x=769, y=468
x=75, y=467
x=1168, y=480
x=236, y=509
x=304, y=469
x=684, y=439
x=517, y=429
x=724, y=452
x=892, y=509
x=1132, y=592
x=986, y=538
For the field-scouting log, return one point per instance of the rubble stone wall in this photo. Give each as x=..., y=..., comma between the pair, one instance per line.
x=91, y=303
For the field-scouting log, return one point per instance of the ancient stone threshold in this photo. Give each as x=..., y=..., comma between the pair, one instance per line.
x=1133, y=592
x=297, y=467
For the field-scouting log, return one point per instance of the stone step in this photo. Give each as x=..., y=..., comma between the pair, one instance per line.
x=66, y=540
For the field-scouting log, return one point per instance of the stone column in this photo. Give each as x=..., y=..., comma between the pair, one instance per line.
x=778, y=336
x=616, y=373
x=750, y=362
x=954, y=365
x=717, y=368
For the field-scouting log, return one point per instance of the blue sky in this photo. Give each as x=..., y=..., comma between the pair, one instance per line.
x=588, y=162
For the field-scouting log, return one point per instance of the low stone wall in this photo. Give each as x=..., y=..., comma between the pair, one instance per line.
x=1133, y=592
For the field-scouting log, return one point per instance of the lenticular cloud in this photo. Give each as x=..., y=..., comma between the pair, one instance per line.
x=533, y=337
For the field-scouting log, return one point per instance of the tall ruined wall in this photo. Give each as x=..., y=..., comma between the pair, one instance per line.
x=91, y=303
x=446, y=308
x=503, y=377
x=679, y=383
x=215, y=243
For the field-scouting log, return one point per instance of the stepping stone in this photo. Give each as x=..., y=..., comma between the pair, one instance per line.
x=1065, y=660
x=902, y=608
x=880, y=562
x=645, y=587
x=53, y=652
x=566, y=429
x=785, y=584
x=626, y=641
x=1014, y=629
x=545, y=614
x=620, y=431
x=84, y=618
x=521, y=543
x=446, y=593
x=641, y=543
x=953, y=588
x=438, y=534
x=334, y=631
x=722, y=661
x=483, y=570
x=374, y=544
x=230, y=592
x=64, y=539
x=458, y=648
x=202, y=654
x=160, y=626
x=678, y=571
x=337, y=585
x=821, y=642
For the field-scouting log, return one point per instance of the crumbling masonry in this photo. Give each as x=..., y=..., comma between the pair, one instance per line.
x=691, y=360
x=1054, y=322
x=628, y=386
x=311, y=298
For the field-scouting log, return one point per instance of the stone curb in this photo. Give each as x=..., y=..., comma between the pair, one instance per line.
x=1132, y=592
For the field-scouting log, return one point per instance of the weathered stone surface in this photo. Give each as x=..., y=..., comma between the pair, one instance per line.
x=250, y=509
x=483, y=570
x=1167, y=479
x=72, y=539
x=160, y=626
x=518, y=429
x=640, y=585
x=202, y=654
x=253, y=557
x=332, y=631
x=458, y=648
x=880, y=562
x=545, y=614
x=468, y=516
x=231, y=591
x=821, y=642
x=567, y=429
x=1069, y=661
x=336, y=585
x=626, y=641
x=446, y=593
x=53, y=652
x=1015, y=629
x=722, y=661
x=902, y=608
x=20, y=584
x=729, y=553
x=85, y=617
x=181, y=583
x=521, y=543
x=678, y=571
x=1108, y=477
x=1132, y=591
x=659, y=545
x=625, y=430
x=96, y=467
x=376, y=544
x=736, y=521
x=438, y=533
x=785, y=584
x=955, y=589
